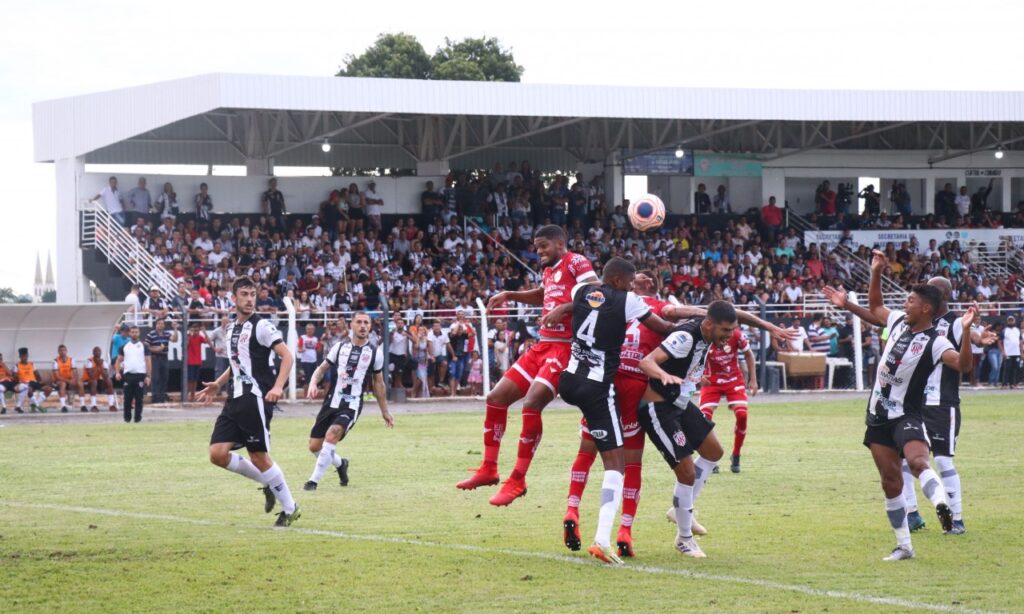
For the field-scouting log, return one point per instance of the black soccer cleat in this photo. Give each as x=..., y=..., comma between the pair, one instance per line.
x=309, y=486
x=3, y=410
x=735, y=466
x=284, y=519
x=268, y=499
x=84, y=409
x=64, y=410
x=571, y=534
x=19, y=410
x=945, y=517
x=342, y=470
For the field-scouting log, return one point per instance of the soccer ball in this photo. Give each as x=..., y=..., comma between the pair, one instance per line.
x=646, y=213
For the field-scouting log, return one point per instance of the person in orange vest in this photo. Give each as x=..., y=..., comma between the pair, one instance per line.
x=29, y=381
x=8, y=382
x=65, y=376
x=96, y=377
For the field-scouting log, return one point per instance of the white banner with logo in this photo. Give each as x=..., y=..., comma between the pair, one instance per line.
x=992, y=238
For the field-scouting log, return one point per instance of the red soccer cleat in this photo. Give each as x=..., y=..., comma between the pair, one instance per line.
x=511, y=490
x=484, y=476
x=625, y=543
x=571, y=530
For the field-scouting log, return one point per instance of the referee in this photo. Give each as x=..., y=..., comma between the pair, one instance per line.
x=133, y=365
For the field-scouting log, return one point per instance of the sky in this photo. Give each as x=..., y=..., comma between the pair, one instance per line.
x=62, y=48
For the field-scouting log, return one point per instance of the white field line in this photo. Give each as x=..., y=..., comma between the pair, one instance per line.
x=547, y=556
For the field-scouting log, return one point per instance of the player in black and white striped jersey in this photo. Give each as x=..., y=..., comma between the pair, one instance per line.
x=359, y=363
x=895, y=414
x=254, y=387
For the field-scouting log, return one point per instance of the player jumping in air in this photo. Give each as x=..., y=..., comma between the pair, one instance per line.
x=535, y=375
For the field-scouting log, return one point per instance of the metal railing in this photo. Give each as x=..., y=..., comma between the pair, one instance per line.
x=100, y=231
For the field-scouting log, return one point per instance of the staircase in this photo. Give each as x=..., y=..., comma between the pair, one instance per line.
x=1001, y=263
x=860, y=270
x=114, y=260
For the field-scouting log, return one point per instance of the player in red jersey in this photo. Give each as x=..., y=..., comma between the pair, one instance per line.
x=535, y=375
x=724, y=378
x=630, y=385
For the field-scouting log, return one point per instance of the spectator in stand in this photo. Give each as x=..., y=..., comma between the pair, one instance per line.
x=701, y=200
x=155, y=305
x=138, y=201
x=439, y=353
x=1009, y=345
x=721, y=203
x=872, y=201
x=219, y=342
x=398, y=353
x=307, y=349
x=901, y=200
x=133, y=312
x=431, y=202
x=204, y=206
x=945, y=203
x=825, y=199
x=158, y=342
x=111, y=198
x=963, y=203
x=273, y=203
x=979, y=202
x=374, y=205
x=194, y=357
x=356, y=207
x=771, y=217
x=166, y=206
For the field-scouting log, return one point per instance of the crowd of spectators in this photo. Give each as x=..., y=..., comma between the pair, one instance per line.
x=473, y=238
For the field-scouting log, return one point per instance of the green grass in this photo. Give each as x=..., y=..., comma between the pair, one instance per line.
x=806, y=511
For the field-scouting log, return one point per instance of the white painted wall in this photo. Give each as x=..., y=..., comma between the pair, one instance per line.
x=242, y=194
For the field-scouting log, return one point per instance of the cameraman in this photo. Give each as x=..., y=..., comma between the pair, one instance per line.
x=872, y=201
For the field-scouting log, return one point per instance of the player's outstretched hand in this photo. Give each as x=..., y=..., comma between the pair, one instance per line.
x=389, y=421
x=878, y=260
x=836, y=296
x=783, y=334
x=988, y=337
x=497, y=300
x=312, y=392
x=208, y=393
x=704, y=381
x=274, y=395
x=555, y=316
x=970, y=317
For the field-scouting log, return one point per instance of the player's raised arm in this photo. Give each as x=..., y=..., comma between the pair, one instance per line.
x=782, y=334
x=875, y=302
x=683, y=312
x=528, y=297
x=839, y=298
x=962, y=360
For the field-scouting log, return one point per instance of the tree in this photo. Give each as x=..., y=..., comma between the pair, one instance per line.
x=396, y=56
x=495, y=63
x=7, y=295
x=401, y=56
x=50, y=296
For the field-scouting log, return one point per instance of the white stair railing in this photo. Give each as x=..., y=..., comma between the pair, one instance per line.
x=100, y=231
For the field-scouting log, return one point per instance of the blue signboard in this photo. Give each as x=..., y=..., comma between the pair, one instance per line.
x=661, y=162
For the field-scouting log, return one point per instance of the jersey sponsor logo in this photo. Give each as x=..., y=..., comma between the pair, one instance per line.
x=598, y=433
x=630, y=426
x=680, y=438
x=595, y=299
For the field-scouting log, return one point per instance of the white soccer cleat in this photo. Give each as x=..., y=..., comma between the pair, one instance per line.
x=900, y=553
x=689, y=547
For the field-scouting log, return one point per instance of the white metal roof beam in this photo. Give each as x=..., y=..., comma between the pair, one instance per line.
x=554, y=126
x=967, y=152
x=834, y=142
x=329, y=134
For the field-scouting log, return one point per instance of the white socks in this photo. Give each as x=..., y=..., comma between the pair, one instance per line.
x=909, y=494
x=22, y=394
x=274, y=478
x=63, y=402
x=702, y=469
x=951, y=482
x=111, y=400
x=324, y=459
x=895, y=509
x=932, y=488
x=3, y=396
x=611, y=497
x=243, y=466
x=682, y=501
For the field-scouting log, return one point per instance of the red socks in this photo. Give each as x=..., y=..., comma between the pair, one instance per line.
x=529, y=439
x=741, y=430
x=630, y=493
x=494, y=428
x=578, y=479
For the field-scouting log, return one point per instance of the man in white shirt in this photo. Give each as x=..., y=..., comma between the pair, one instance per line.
x=306, y=351
x=793, y=291
x=398, y=353
x=1009, y=345
x=438, y=350
x=133, y=365
x=374, y=204
x=963, y=201
x=217, y=254
x=133, y=315
x=110, y=196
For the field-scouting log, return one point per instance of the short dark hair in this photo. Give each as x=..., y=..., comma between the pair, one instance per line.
x=242, y=282
x=551, y=232
x=22, y=351
x=721, y=312
x=929, y=294
x=361, y=313
x=617, y=267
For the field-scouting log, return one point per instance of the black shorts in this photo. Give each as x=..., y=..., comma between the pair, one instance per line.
x=942, y=423
x=676, y=432
x=897, y=433
x=245, y=423
x=597, y=402
x=34, y=386
x=101, y=386
x=328, y=416
x=356, y=213
x=8, y=384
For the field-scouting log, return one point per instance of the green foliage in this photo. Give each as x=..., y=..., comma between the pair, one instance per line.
x=8, y=296
x=401, y=56
x=50, y=296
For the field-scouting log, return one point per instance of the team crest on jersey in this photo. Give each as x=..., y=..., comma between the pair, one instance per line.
x=727, y=348
x=595, y=299
x=244, y=337
x=680, y=438
x=558, y=276
x=916, y=348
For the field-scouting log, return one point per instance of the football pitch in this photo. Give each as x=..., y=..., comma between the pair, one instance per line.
x=111, y=517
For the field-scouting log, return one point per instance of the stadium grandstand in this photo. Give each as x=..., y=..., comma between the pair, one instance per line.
x=772, y=195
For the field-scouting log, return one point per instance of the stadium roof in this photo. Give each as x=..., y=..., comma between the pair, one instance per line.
x=229, y=118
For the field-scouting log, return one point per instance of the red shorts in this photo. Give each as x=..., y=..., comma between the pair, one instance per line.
x=735, y=393
x=628, y=392
x=543, y=362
